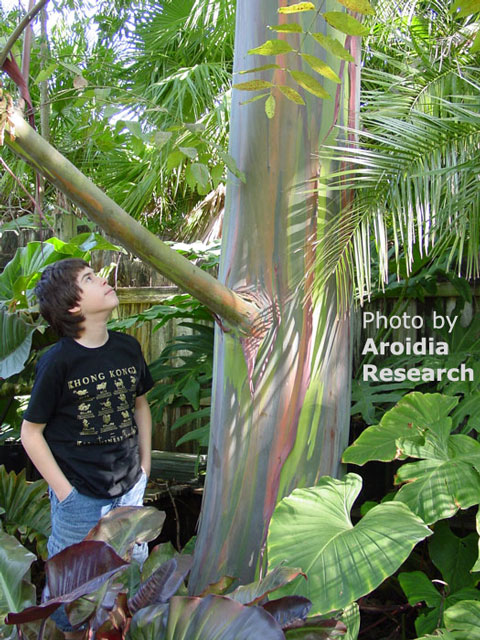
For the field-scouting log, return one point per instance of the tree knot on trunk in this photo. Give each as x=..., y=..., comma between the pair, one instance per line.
x=266, y=322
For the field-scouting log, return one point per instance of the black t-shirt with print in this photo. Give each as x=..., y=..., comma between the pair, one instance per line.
x=86, y=397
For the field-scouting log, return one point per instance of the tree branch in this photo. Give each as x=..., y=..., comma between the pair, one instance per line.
x=221, y=300
x=22, y=25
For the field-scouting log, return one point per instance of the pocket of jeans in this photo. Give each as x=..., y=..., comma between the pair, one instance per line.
x=69, y=498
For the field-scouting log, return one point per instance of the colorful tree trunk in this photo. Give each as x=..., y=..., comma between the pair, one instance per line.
x=281, y=402
x=282, y=376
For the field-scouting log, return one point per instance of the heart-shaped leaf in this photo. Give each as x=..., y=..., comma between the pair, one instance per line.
x=342, y=561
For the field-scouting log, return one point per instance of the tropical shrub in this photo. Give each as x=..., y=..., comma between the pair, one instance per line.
x=85, y=578
x=443, y=479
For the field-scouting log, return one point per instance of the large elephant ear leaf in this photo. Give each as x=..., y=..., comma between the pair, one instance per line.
x=407, y=421
x=342, y=562
x=463, y=619
x=16, y=340
x=219, y=618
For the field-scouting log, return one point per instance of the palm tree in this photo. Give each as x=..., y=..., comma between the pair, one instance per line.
x=415, y=169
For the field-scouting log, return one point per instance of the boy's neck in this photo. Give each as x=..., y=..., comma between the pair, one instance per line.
x=93, y=334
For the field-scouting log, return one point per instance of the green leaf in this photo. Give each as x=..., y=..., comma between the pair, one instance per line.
x=174, y=160
x=297, y=8
x=476, y=43
x=321, y=67
x=264, y=67
x=309, y=83
x=197, y=174
x=360, y=6
x=16, y=341
x=218, y=618
x=46, y=73
x=270, y=106
x=437, y=489
x=333, y=46
x=464, y=617
x=16, y=592
x=454, y=557
x=419, y=588
x=291, y=94
x=190, y=152
x=25, y=504
x=408, y=419
x=272, y=48
x=253, y=85
x=287, y=28
x=255, y=98
x=346, y=23
x=467, y=7
x=342, y=561
x=160, y=138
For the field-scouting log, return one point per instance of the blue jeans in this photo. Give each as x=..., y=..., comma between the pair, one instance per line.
x=73, y=518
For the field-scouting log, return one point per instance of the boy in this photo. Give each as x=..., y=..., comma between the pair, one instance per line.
x=87, y=428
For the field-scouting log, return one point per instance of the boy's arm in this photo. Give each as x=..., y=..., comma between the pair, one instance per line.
x=143, y=419
x=41, y=455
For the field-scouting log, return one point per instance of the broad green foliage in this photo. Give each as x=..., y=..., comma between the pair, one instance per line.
x=454, y=557
x=16, y=341
x=16, y=591
x=342, y=561
x=463, y=620
x=25, y=508
x=447, y=477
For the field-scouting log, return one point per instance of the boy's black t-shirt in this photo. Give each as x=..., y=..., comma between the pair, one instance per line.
x=86, y=397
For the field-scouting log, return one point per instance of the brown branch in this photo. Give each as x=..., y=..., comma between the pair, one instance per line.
x=22, y=25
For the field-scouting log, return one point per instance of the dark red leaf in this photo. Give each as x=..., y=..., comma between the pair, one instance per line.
x=71, y=574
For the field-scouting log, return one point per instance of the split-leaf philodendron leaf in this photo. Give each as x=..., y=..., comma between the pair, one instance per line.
x=342, y=561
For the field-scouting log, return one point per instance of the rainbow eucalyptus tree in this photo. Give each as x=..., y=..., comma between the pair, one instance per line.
x=281, y=394
x=282, y=362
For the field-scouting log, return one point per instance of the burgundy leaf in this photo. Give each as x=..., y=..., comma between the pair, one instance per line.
x=71, y=574
x=162, y=584
x=12, y=69
x=288, y=610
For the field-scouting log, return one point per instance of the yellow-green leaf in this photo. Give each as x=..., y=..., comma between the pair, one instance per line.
x=309, y=83
x=476, y=43
x=272, y=48
x=270, y=106
x=321, y=67
x=264, y=67
x=255, y=98
x=467, y=7
x=346, y=23
x=287, y=28
x=291, y=94
x=253, y=85
x=297, y=8
x=333, y=46
x=361, y=6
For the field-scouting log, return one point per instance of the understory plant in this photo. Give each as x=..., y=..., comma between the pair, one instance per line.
x=100, y=588
x=440, y=476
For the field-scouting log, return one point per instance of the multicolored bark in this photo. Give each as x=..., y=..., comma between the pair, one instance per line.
x=280, y=404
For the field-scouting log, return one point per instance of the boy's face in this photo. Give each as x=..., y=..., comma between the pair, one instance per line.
x=97, y=297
